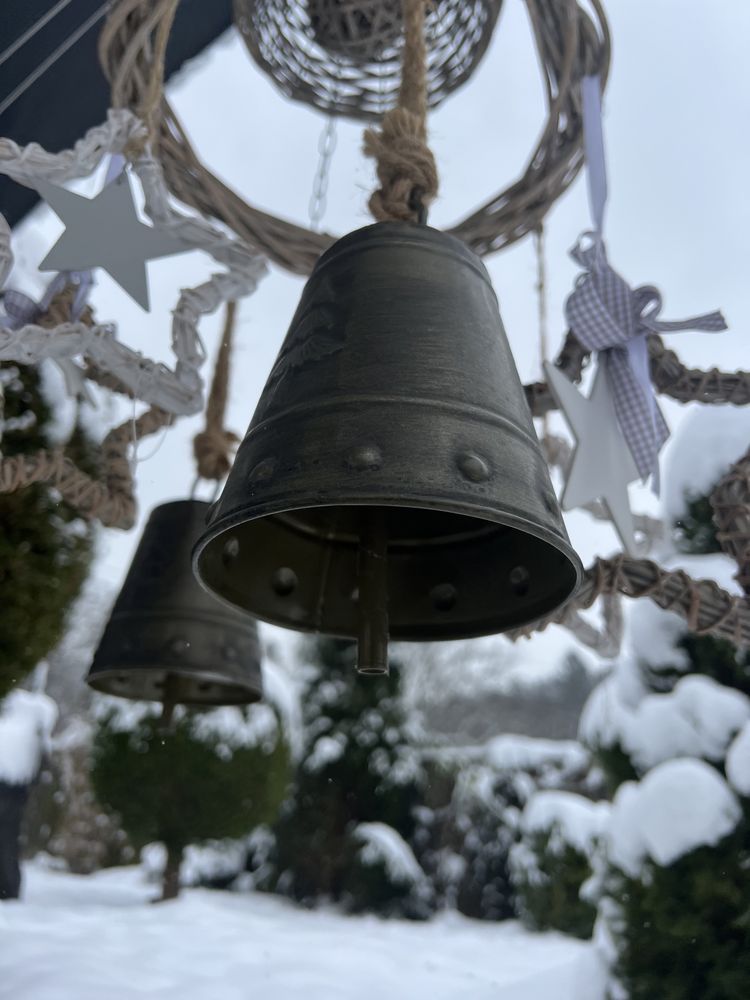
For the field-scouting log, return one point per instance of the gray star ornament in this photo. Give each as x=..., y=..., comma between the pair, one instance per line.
x=104, y=231
x=602, y=465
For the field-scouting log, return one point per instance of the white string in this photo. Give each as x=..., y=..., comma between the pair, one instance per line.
x=30, y=32
x=51, y=59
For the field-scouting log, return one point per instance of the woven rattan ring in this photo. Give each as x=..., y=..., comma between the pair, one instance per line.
x=570, y=41
x=344, y=56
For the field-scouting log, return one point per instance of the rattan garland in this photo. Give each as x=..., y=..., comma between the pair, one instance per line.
x=344, y=56
x=110, y=496
x=127, y=54
x=570, y=43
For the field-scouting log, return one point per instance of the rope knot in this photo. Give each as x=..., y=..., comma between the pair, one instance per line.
x=213, y=449
x=406, y=167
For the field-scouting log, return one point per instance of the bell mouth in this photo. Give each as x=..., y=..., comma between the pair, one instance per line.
x=449, y=574
x=148, y=682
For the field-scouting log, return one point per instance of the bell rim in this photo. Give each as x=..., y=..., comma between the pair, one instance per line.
x=228, y=522
x=420, y=235
x=199, y=676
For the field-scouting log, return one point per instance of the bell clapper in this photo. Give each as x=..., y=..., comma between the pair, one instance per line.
x=372, y=636
x=168, y=703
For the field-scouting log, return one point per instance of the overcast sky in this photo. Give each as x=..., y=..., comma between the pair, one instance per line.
x=676, y=115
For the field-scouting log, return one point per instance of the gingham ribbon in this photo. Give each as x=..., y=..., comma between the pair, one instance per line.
x=608, y=316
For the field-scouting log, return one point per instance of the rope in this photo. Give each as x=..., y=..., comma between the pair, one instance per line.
x=109, y=497
x=405, y=165
x=137, y=79
x=731, y=505
x=705, y=607
x=213, y=447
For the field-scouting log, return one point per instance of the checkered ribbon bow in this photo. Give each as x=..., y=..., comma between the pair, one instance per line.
x=608, y=316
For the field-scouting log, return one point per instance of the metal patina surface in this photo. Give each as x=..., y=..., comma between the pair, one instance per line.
x=167, y=638
x=392, y=454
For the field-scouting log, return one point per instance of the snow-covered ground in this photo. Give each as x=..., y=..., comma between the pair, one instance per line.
x=97, y=936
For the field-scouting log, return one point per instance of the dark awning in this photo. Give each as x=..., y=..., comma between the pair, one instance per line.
x=51, y=86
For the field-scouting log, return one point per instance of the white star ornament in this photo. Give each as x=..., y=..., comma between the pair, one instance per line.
x=602, y=465
x=105, y=232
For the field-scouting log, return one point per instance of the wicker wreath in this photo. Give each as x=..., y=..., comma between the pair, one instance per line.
x=570, y=42
x=344, y=56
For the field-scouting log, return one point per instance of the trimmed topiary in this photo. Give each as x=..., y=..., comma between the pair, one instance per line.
x=45, y=547
x=213, y=774
x=559, y=835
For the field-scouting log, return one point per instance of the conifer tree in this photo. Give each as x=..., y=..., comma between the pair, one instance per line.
x=344, y=832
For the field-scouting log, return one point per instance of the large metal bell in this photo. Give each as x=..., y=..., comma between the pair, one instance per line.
x=169, y=640
x=391, y=479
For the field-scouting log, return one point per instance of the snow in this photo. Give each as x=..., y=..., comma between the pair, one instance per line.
x=717, y=436
x=698, y=718
x=514, y=752
x=232, y=726
x=326, y=750
x=572, y=819
x=681, y=805
x=281, y=691
x=738, y=762
x=381, y=844
x=605, y=715
x=237, y=727
x=88, y=937
x=26, y=722
x=219, y=859
x=653, y=634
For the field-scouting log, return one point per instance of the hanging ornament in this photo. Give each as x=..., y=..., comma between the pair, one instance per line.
x=602, y=465
x=390, y=481
x=620, y=429
x=167, y=639
x=105, y=232
x=178, y=390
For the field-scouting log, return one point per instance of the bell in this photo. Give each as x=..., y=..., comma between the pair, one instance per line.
x=167, y=639
x=391, y=481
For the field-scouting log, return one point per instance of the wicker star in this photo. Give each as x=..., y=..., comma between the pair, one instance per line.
x=105, y=232
x=602, y=466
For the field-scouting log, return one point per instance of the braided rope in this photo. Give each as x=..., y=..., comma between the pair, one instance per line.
x=731, y=506
x=110, y=497
x=405, y=165
x=213, y=447
x=705, y=607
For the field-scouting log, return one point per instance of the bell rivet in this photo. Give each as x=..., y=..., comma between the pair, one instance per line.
x=519, y=581
x=179, y=646
x=473, y=466
x=263, y=471
x=430, y=486
x=365, y=458
x=230, y=551
x=230, y=652
x=284, y=581
x=444, y=597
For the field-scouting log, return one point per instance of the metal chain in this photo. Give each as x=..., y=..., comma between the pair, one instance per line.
x=326, y=148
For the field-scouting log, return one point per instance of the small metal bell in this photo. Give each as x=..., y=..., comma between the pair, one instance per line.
x=167, y=639
x=391, y=481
